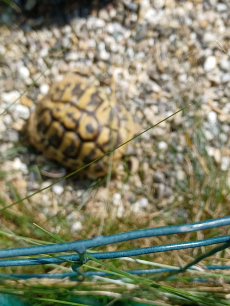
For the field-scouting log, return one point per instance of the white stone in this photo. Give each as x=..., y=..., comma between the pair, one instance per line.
x=100, y=23
x=150, y=15
x=10, y=97
x=226, y=78
x=44, y=88
x=180, y=175
x=155, y=87
x=159, y=4
x=116, y=199
x=209, y=37
x=16, y=164
x=20, y=111
x=77, y=226
x=225, y=65
x=71, y=56
x=225, y=162
x=104, y=55
x=95, y=23
x=44, y=52
x=143, y=202
x=210, y=151
x=183, y=77
x=209, y=136
x=223, y=137
x=120, y=211
x=58, y=78
x=214, y=78
x=110, y=28
x=66, y=29
x=45, y=185
x=139, y=205
x=210, y=63
x=7, y=119
x=23, y=72
x=24, y=168
x=162, y=145
x=58, y=189
x=2, y=129
x=101, y=46
x=221, y=7
x=217, y=156
x=212, y=118
x=91, y=43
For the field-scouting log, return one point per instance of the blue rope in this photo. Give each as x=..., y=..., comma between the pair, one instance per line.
x=117, y=254
x=96, y=273
x=80, y=246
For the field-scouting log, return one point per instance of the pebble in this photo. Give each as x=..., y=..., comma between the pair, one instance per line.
x=226, y=78
x=162, y=145
x=180, y=175
x=26, y=101
x=134, y=161
x=225, y=163
x=8, y=121
x=103, y=55
x=44, y=52
x=159, y=190
x=116, y=200
x=139, y=205
x=23, y=72
x=71, y=56
x=221, y=7
x=58, y=189
x=212, y=118
x=10, y=97
x=159, y=4
x=132, y=6
x=17, y=164
x=159, y=177
x=225, y=65
x=44, y=88
x=2, y=129
x=20, y=111
x=120, y=211
x=210, y=63
x=76, y=227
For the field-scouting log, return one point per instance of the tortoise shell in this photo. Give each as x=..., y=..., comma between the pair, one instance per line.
x=76, y=123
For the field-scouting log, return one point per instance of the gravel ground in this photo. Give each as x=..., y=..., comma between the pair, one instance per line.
x=162, y=57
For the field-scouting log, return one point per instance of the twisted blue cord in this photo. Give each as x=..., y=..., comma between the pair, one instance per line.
x=80, y=246
x=116, y=254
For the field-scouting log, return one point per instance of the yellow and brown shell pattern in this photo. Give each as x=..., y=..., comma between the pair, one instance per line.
x=75, y=123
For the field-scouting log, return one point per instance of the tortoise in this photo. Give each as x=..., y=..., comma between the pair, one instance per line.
x=76, y=123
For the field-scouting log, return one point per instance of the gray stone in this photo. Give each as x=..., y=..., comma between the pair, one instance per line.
x=159, y=177
x=132, y=6
x=159, y=190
